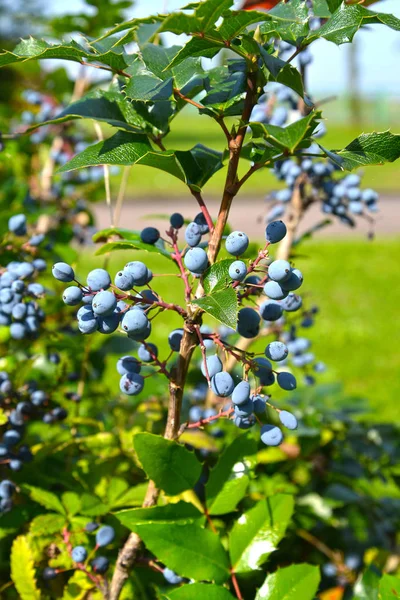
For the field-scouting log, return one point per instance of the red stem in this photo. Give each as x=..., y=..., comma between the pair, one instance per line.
x=204, y=210
x=236, y=586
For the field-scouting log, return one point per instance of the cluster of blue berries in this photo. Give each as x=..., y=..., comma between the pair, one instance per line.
x=19, y=292
x=105, y=535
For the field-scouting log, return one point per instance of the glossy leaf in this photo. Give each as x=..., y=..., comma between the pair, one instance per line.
x=367, y=586
x=334, y=4
x=149, y=88
x=182, y=512
x=171, y=466
x=45, y=498
x=229, y=497
x=257, y=533
x=132, y=245
x=23, y=569
x=287, y=138
x=389, y=587
x=189, y=550
x=199, y=591
x=217, y=276
x=242, y=446
x=227, y=97
x=210, y=11
x=368, y=149
x=283, y=72
x=115, y=232
x=236, y=21
x=207, y=48
x=222, y=305
x=347, y=20
x=291, y=583
x=288, y=21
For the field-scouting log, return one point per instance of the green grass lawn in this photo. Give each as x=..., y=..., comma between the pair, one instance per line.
x=190, y=129
x=357, y=330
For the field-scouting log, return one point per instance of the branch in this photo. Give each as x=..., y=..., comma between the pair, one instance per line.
x=188, y=100
x=204, y=210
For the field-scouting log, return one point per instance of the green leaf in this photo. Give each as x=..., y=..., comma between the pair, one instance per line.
x=131, y=245
x=189, y=550
x=283, y=72
x=149, y=88
x=227, y=96
x=45, y=498
x=33, y=49
x=367, y=586
x=289, y=21
x=197, y=46
x=334, y=4
x=210, y=11
x=171, y=466
x=3, y=417
x=242, y=446
x=369, y=149
x=291, y=583
x=236, y=21
x=231, y=494
x=182, y=512
x=217, y=276
x=347, y=20
x=198, y=165
x=287, y=138
x=389, y=587
x=120, y=232
x=72, y=502
x=200, y=591
x=257, y=533
x=78, y=586
x=23, y=570
x=47, y=524
x=222, y=305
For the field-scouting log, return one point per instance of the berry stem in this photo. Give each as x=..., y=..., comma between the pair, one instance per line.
x=204, y=209
x=236, y=586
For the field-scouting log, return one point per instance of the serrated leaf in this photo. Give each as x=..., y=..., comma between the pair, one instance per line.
x=287, y=138
x=236, y=21
x=189, y=550
x=217, y=277
x=229, y=497
x=197, y=46
x=257, y=533
x=131, y=245
x=45, y=498
x=23, y=570
x=131, y=25
x=368, y=149
x=283, y=72
x=149, y=88
x=334, y=4
x=200, y=591
x=46, y=524
x=182, y=512
x=171, y=466
x=222, y=305
x=288, y=21
x=347, y=20
x=291, y=583
x=226, y=97
x=210, y=11
x=242, y=446
x=120, y=232
x=72, y=502
x=389, y=587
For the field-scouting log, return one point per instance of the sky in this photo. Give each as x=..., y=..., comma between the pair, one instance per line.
x=379, y=51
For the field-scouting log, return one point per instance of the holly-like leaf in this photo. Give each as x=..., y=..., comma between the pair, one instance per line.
x=389, y=587
x=291, y=583
x=182, y=512
x=199, y=591
x=171, y=466
x=222, y=305
x=229, y=497
x=198, y=46
x=334, y=4
x=368, y=149
x=236, y=21
x=257, y=533
x=149, y=88
x=210, y=11
x=217, y=276
x=226, y=98
x=132, y=245
x=283, y=72
x=347, y=20
x=287, y=138
x=189, y=550
x=367, y=586
x=23, y=569
x=33, y=49
x=288, y=21
x=45, y=498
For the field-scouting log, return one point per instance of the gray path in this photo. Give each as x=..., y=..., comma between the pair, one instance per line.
x=247, y=215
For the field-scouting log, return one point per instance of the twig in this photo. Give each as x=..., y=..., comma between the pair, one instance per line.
x=236, y=586
x=188, y=100
x=204, y=209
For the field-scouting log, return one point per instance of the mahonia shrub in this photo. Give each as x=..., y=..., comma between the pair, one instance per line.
x=197, y=506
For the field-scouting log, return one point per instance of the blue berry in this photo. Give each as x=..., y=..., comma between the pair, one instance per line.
x=237, y=243
x=100, y=564
x=107, y=325
x=17, y=224
x=104, y=304
x=79, y=554
x=248, y=322
x=49, y=573
x=259, y=405
x=134, y=321
x=284, y=195
x=87, y=322
x=195, y=414
x=274, y=290
x=124, y=281
x=245, y=409
x=292, y=303
x=39, y=264
x=63, y=272
x=287, y=419
x=287, y=381
x=35, y=289
x=7, y=488
x=263, y=370
x=72, y=295
x=244, y=422
x=174, y=339
x=37, y=239
x=98, y=279
x=193, y=234
x=15, y=464
x=294, y=281
x=276, y=351
x=131, y=384
x=200, y=220
x=237, y=270
x=271, y=310
x=172, y=577
x=222, y=384
x=271, y=435
x=138, y=271
x=196, y=260
x=19, y=311
x=275, y=232
x=142, y=335
x=279, y=116
x=241, y=393
x=91, y=527
x=145, y=352
x=128, y=364
x=17, y=331
x=177, y=221
x=149, y=235
x=104, y=536
x=279, y=270
x=214, y=365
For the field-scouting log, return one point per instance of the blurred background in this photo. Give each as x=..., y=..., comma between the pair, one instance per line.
x=350, y=277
